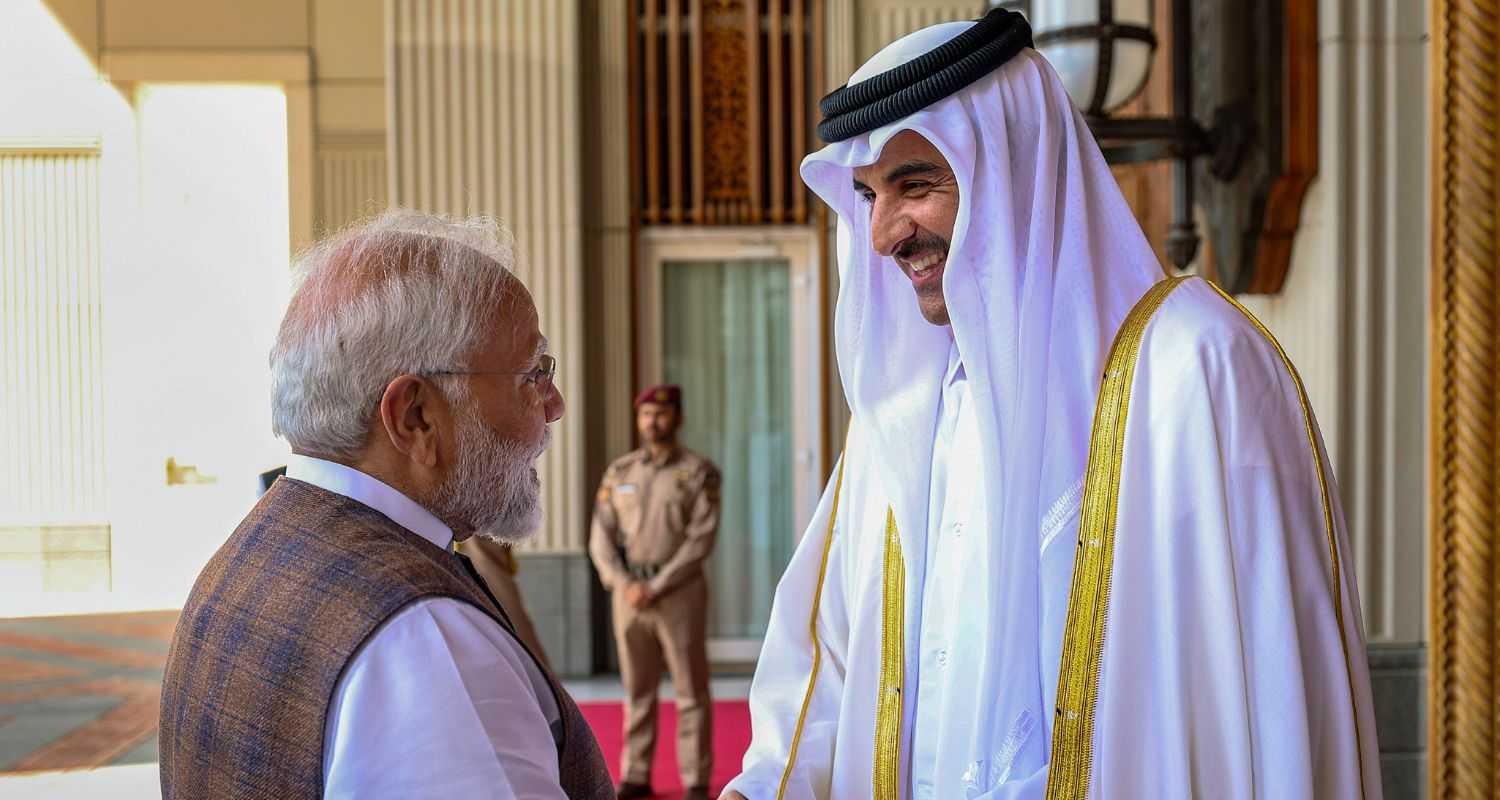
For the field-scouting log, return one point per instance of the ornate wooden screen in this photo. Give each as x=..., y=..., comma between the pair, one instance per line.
x=722, y=109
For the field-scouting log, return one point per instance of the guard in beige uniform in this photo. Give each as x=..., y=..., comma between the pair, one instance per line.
x=654, y=524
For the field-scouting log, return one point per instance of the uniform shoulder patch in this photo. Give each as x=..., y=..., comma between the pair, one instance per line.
x=711, y=479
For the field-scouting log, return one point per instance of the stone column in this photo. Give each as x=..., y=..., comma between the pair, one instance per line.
x=485, y=118
x=484, y=104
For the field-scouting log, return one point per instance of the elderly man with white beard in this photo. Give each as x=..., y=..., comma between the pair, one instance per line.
x=336, y=645
x=1084, y=540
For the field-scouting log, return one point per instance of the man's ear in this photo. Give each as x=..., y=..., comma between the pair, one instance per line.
x=408, y=410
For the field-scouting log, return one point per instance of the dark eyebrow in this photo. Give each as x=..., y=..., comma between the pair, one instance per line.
x=909, y=168
x=906, y=169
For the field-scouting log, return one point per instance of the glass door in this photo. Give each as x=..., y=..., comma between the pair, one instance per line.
x=731, y=329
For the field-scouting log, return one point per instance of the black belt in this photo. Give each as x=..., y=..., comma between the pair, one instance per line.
x=642, y=572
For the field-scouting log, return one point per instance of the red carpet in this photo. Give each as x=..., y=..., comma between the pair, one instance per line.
x=731, y=739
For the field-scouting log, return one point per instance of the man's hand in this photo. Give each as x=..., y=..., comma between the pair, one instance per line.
x=638, y=595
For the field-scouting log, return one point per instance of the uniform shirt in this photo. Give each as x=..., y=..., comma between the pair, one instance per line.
x=440, y=700
x=663, y=511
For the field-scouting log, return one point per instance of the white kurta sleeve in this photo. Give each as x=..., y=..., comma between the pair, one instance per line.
x=785, y=710
x=439, y=702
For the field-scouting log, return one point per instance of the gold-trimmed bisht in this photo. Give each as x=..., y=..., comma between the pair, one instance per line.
x=886, y=781
x=1088, y=599
x=1088, y=602
x=812, y=630
x=1331, y=533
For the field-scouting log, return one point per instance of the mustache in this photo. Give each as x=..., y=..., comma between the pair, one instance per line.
x=919, y=242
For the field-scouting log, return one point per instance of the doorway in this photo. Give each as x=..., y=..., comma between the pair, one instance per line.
x=732, y=316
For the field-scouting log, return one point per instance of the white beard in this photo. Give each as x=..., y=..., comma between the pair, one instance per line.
x=494, y=488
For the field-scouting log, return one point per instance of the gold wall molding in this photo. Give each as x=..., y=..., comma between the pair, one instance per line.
x=352, y=178
x=282, y=65
x=609, y=316
x=1465, y=437
x=50, y=145
x=52, y=346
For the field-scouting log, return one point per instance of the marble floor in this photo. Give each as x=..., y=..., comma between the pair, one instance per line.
x=79, y=697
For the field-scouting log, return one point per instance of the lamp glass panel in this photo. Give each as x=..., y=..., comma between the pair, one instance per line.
x=1076, y=60
x=1133, y=12
x=1132, y=63
x=1077, y=63
x=1048, y=15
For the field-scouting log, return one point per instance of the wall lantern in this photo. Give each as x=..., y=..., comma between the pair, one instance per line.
x=1250, y=66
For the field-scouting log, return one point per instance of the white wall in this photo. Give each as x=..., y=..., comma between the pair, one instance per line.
x=194, y=314
x=193, y=236
x=1353, y=315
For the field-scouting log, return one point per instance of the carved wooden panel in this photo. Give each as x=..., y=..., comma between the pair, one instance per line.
x=721, y=106
x=1465, y=391
x=724, y=95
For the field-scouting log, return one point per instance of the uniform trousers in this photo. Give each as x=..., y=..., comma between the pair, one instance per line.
x=671, y=632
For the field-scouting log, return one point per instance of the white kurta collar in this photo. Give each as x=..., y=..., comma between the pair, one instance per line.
x=362, y=488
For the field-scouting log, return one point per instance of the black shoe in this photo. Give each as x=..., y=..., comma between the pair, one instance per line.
x=633, y=791
x=696, y=793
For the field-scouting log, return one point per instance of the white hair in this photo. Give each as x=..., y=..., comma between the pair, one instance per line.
x=494, y=488
x=404, y=292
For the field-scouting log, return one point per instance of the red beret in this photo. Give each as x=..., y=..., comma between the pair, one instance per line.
x=663, y=394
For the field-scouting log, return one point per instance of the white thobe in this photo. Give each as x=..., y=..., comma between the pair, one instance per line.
x=439, y=701
x=955, y=467
x=1234, y=661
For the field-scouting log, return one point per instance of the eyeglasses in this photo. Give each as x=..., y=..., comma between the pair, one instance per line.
x=546, y=370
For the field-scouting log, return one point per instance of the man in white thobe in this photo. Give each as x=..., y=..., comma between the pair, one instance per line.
x=1084, y=540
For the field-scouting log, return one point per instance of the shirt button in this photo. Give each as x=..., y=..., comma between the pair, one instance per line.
x=958, y=529
x=942, y=658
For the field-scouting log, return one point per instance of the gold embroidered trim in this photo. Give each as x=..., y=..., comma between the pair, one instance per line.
x=1328, y=526
x=1088, y=600
x=812, y=630
x=887, y=776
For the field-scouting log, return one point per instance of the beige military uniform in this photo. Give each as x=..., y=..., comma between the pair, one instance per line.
x=655, y=521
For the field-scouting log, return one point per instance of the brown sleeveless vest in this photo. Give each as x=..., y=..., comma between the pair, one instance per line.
x=266, y=632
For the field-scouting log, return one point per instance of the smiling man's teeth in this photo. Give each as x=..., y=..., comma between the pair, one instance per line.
x=926, y=263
